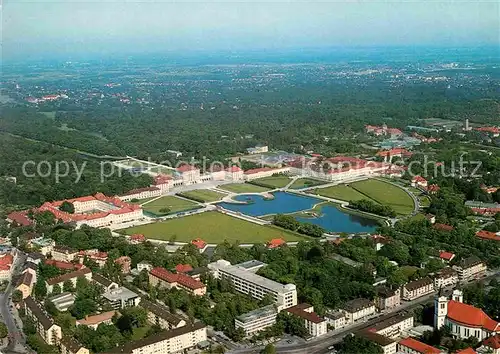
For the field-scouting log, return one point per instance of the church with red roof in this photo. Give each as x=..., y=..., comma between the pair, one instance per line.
x=463, y=320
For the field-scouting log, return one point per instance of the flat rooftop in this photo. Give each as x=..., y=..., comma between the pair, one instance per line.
x=252, y=277
x=250, y=264
x=258, y=313
x=119, y=294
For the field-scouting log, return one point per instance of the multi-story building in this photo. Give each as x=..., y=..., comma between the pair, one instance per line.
x=164, y=182
x=65, y=266
x=445, y=277
x=250, y=175
x=315, y=325
x=100, y=258
x=7, y=260
x=144, y=266
x=162, y=277
x=45, y=327
x=386, y=298
x=72, y=276
x=69, y=345
x=121, y=297
x=189, y=174
x=258, y=149
x=125, y=263
x=45, y=245
x=256, y=320
x=63, y=301
x=166, y=342
x=464, y=321
x=357, y=309
x=387, y=345
x=25, y=283
x=160, y=316
x=393, y=326
x=141, y=193
x=490, y=345
x=104, y=282
x=255, y=285
x=94, y=321
x=412, y=346
x=418, y=288
x=335, y=319
x=234, y=173
x=470, y=268
x=63, y=254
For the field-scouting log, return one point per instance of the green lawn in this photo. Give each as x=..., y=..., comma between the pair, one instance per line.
x=243, y=188
x=163, y=170
x=173, y=203
x=341, y=192
x=274, y=181
x=212, y=227
x=385, y=194
x=424, y=201
x=139, y=333
x=205, y=194
x=305, y=182
x=140, y=201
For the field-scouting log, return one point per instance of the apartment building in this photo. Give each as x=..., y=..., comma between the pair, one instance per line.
x=386, y=298
x=69, y=345
x=412, y=346
x=63, y=253
x=190, y=174
x=255, y=285
x=394, y=326
x=162, y=277
x=445, y=277
x=357, y=309
x=335, y=319
x=418, y=288
x=256, y=320
x=125, y=264
x=72, y=276
x=166, y=342
x=470, y=268
x=141, y=193
x=104, y=282
x=25, y=284
x=315, y=325
x=389, y=346
x=45, y=327
x=159, y=316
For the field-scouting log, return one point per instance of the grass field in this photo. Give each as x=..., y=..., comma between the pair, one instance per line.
x=275, y=181
x=305, y=182
x=139, y=333
x=140, y=201
x=164, y=170
x=212, y=227
x=341, y=192
x=243, y=188
x=385, y=194
x=205, y=194
x=173, y=203
x=424, y=201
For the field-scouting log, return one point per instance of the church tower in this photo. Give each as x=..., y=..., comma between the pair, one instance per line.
x=457, y=295
x=440, y=310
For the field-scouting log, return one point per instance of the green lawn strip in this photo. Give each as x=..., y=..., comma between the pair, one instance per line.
x=139, y=333
x=142, y=201
x=340, y=192
x=275, y=181
x=205, y=194
x=305, y=183
x=385, y=194
x=160, y=169
x=173, y=203
x=242, y=188
x=212, y=227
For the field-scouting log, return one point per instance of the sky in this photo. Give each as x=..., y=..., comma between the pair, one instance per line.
x=41, y=28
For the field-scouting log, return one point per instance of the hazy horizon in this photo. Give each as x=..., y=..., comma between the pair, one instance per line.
x=71, y=30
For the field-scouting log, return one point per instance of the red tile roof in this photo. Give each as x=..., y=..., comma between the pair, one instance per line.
x=276, y=242
x=487, y=235
x=186, y=168
x=470, y=316
x=6, y=262
x=64, y=265
x=443, y=227
x=419, y=179
x=466, y=351
x=179, y=278
x=138, y=237
x=183, y=268
x=492, y=342
x=96, y=319
x=257, y=170
x=493, y=130
x=20, y=217
x=418, y=346
x=140, y=190
x=298, y=310
x=162, y=179
x=433, y=188
x=447, y=256
x=233, y=169
x=199, y=243
x=394, y=152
